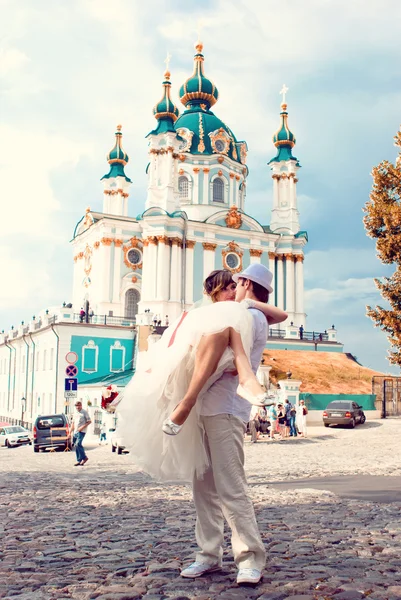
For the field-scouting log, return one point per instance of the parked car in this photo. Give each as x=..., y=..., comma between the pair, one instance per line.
x=14, y=435
x=117, y=442
x=343, y=412
x=51, y=431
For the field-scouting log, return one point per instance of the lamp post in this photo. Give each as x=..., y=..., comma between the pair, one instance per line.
x=23, y=408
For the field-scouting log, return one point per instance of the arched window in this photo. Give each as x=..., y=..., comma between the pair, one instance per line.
x=218, y=190
x=131, y=304
x=183, y=187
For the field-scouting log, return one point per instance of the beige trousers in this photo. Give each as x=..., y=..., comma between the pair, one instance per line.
x=223, y=492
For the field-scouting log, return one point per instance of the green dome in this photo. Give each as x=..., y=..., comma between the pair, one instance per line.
x=117, y=154
x=166, y=109
x=283, y=135
x=117, y=158
x=198, y=89
x=284, y=139
x=209, y=134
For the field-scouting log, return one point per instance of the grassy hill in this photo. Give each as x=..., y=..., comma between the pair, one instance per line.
x=321, y=372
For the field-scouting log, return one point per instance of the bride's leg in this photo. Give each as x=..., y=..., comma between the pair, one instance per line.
x=208, y=355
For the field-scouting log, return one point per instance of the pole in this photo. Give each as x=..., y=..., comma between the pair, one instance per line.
x=383, y=415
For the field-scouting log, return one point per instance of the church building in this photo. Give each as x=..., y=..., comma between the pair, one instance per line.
x=195, y=217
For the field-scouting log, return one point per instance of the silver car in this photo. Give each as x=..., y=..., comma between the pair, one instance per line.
x=15, y=435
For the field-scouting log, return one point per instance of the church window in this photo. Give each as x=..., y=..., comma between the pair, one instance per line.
x=232, y=260
x=117, y=357
x=131, y=303
x=183, y=187
x=134, y=256
x=90, y=354
x=218, y=190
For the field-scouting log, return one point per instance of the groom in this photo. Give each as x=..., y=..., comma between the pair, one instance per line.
x=223, y=491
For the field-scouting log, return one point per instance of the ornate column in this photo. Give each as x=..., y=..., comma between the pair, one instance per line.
x=106, y=243
x=145, y=270
x=205, y=198
x=163, y=268
x=176, y=273
x=152, y=274
x=255, y=255
x=195, y=195
x=231, y=198
x=208, y=258
x=299, y=285
x=189, y=271
x=290, y=286
x=276, y=179
x=272, y=267
x=280, y=281
x=117, y=270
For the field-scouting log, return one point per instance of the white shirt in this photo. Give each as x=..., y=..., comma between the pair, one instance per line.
x=221, y=398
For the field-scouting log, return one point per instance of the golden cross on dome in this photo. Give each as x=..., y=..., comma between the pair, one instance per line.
x=167, y=60
x=283, y=91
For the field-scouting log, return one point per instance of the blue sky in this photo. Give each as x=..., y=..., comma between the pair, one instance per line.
x=70, y=71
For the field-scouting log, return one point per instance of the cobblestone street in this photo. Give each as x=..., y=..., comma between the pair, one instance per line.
x=107, y=532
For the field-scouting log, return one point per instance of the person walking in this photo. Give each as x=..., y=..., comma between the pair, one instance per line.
x=301, y=418
x=254, y=424
x=293, y=415
x=102, y=437
x=80, y=423
x=273, y=421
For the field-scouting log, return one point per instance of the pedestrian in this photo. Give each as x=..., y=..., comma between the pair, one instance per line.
x=293, y=414
x=301, y=332
x=254, y=425
x=209, y=447
x=80, y=422
x=281, y=419
x=90, y=315
x=301, y=418
x=287, y=408
x=102, y=434
x=166, y=321
x=273, y=420
x=82, y=314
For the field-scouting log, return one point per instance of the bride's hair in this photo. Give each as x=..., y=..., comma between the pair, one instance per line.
x=217, y=281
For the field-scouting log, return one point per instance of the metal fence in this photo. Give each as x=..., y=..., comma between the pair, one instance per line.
x=11, y=422
x=307, y=336
x=388, y=395
x=104, y=320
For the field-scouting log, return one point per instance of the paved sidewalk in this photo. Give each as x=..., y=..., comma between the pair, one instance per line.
x=106, y=531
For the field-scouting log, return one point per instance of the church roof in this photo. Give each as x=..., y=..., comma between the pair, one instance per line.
x=165, y=111
x=117, y=158
x=284, y=139
x=206, y=132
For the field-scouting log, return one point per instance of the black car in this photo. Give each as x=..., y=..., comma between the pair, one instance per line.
x=51, y=431
x=343, y=412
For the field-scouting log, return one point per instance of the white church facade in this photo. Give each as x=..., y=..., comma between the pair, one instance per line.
x=131, y=270
x=195, y=217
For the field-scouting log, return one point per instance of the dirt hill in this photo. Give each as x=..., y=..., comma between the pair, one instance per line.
x=321, y=372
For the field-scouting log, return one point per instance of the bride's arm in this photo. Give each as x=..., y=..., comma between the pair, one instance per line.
x=273, y=314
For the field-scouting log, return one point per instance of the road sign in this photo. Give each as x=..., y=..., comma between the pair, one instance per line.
x=71, y=371
x=70, y=384
x=70, y=394
x=71, y=357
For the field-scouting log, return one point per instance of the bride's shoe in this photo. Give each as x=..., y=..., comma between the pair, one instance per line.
x=262, y=399
x=170, y=427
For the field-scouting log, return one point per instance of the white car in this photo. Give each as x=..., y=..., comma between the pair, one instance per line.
x=14, y=435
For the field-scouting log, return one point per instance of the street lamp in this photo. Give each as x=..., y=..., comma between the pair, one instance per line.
x=23, y=408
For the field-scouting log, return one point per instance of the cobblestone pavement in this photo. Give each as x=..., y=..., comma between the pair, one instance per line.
x=107, y=532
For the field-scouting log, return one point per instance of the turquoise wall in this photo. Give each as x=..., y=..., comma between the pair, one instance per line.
x=198, y=272
x=320, y=401
x=104, y=348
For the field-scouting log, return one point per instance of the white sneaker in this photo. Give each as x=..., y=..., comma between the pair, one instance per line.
x=170, y=427
x=249, y=576
x=197, y=569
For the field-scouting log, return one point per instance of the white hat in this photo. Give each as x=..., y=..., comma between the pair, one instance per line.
x=257, y=273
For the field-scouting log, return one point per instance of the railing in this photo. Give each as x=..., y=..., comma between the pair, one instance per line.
x=307, y=336
x=104, y=320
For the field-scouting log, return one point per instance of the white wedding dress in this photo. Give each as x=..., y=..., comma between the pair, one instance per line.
x=161, y=379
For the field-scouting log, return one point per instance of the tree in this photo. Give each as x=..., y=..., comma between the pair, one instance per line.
x=383, y=222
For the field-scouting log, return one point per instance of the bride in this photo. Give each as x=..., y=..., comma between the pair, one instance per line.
x=174, y=372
